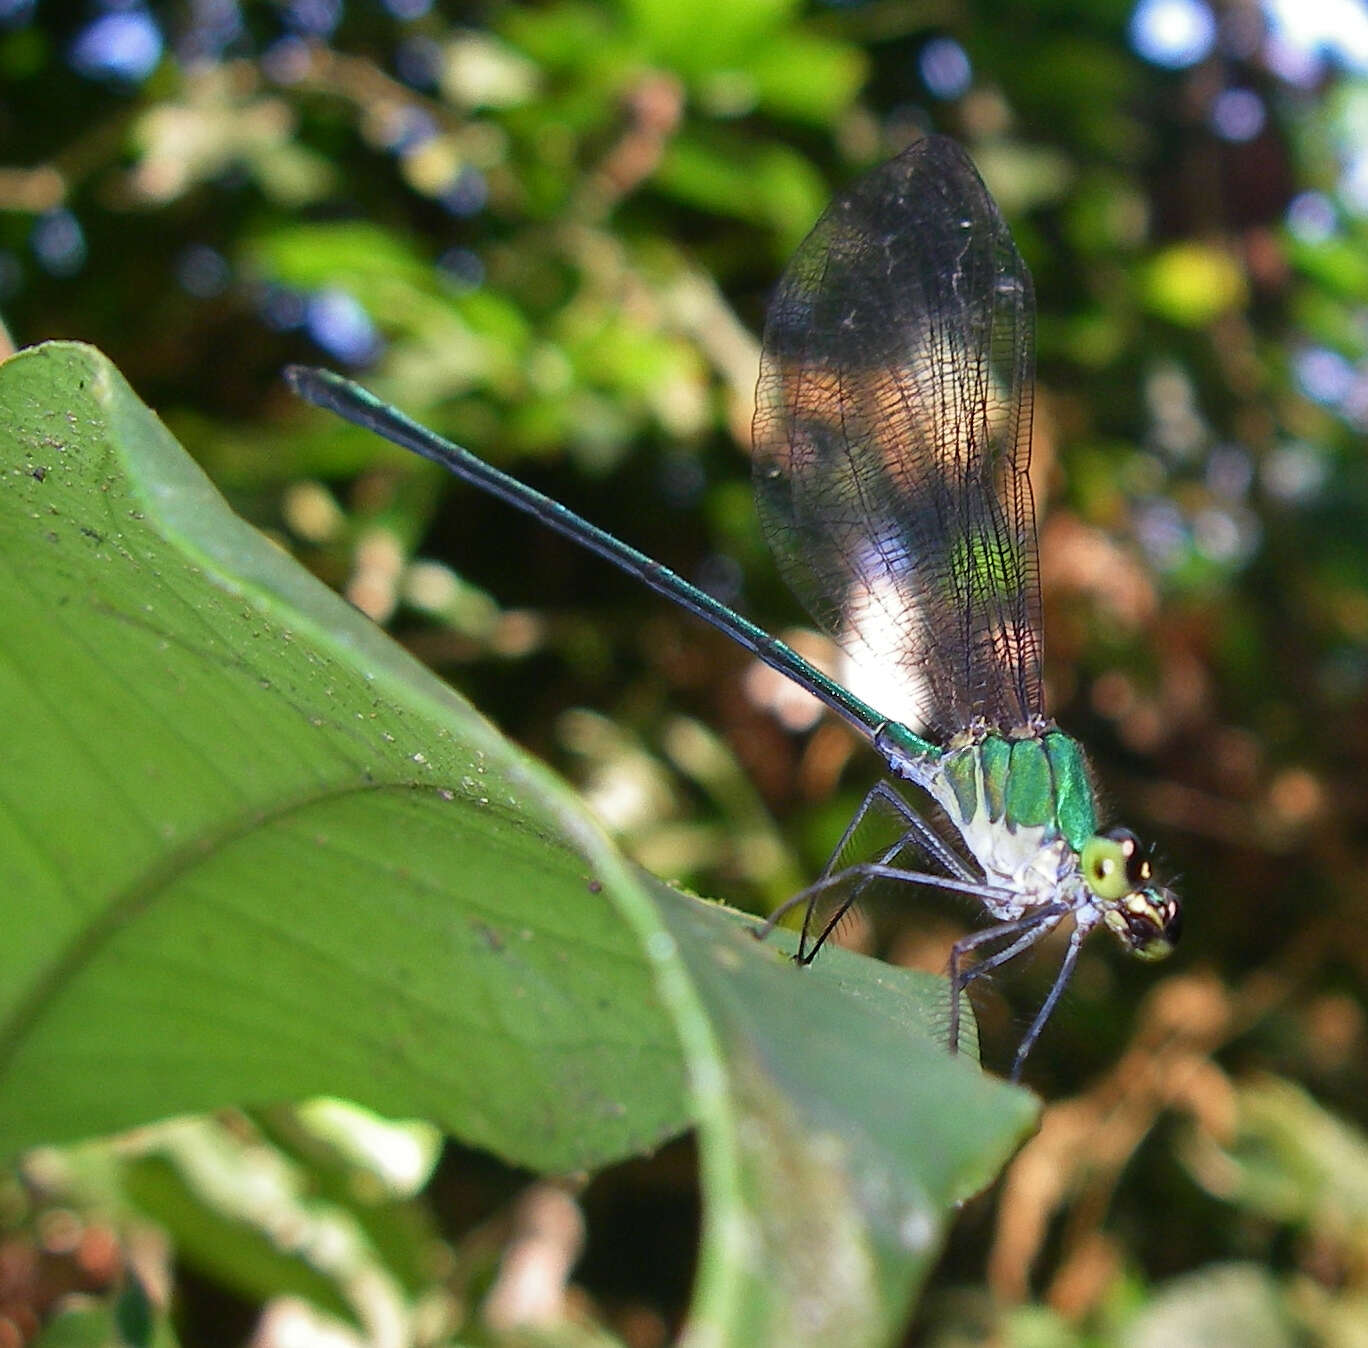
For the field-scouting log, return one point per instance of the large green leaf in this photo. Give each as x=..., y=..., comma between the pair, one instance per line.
x=842, y=1134
x=252, y=851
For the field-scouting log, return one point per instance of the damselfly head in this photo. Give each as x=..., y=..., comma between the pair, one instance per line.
x=1146, y=917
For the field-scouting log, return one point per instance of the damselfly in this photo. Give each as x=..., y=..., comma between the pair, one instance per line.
x=892, y=442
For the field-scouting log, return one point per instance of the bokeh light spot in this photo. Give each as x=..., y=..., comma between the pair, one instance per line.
x=1173, y=33
x=58, y=242
x=340, y=324
x=202, y=271
x=468, y=194
x=462, y=268
x=1237, y=114
x=126, y=45
x=1307, y=33
x=317, y=18
x=1311, y=217
x=945, y=69
x=1323, y=375
x=282, y=309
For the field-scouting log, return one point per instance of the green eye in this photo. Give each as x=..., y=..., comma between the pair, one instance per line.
x=1113, y=864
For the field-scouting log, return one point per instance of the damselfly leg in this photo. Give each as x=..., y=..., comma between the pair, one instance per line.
x=1020, y=934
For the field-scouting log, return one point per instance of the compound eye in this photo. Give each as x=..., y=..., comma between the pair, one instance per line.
x=1114, y=864
x=1154, y=922
x=1138, y=869
x=1171, y=913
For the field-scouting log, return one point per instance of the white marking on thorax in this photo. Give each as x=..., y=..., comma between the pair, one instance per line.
x=1037, y=871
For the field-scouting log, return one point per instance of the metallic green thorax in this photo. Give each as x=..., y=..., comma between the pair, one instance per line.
x=1039, y=781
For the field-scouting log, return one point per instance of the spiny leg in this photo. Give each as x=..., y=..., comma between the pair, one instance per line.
x=1061, y=980
x=1021, y=934
x=917, y=828
x=890, y=855
x=916, y=832
x=880, y=794
x=919, y=835
x=1032, y=934
x=880, y=798
x=865, y=871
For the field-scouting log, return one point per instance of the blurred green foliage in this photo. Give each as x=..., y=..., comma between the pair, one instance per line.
x=549, y=230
